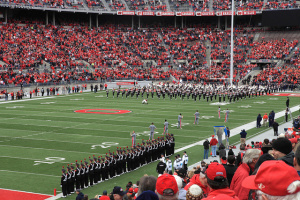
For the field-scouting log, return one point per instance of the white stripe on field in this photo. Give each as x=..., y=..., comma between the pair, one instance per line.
x=237, y=130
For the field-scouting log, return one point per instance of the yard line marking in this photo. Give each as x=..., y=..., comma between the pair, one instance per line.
x=22, y=100
x=237, y=130
x=52, y=149
x=23, y=191
x=3, y=170
x=27, y=158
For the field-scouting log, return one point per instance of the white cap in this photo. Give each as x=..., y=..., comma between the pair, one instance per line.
x=179, y=181
x=282, y=135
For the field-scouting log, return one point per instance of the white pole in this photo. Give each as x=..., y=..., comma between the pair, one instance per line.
x=232, y=44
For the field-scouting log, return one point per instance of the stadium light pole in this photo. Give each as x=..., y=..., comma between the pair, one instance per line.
x=232, y=44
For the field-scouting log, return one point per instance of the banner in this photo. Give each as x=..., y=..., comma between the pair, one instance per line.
x=253, y=12
x=185, y=13
x=145, y=13
x=125, y=13
x=224, y=13
x=205, y=13
x=165, y=14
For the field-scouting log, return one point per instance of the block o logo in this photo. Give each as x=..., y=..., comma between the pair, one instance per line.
x=103, y=111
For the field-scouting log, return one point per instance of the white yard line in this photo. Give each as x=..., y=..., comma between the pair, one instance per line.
x=29, y=173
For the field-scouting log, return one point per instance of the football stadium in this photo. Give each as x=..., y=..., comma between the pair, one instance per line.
x=149, y=99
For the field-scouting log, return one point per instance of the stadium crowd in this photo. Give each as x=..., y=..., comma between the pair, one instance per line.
x=111, y=53
x=179, y=5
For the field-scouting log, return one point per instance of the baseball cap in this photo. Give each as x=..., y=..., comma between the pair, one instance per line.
x=215, y=169
x=136, y=190
x=270, y=176
x=118, y=190
x=294, y=140
x=224, y=160
x=130, y=190
x=166, y=181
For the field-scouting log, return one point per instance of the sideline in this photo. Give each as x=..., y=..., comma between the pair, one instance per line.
x=237, y=130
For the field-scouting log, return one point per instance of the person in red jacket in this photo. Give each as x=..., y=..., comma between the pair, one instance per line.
x=244, y=170
x=200, y=180
x=104, y=196
x=217, y=182
x=213, y=144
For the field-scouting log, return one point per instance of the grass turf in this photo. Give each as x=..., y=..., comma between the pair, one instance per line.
x=38, y=137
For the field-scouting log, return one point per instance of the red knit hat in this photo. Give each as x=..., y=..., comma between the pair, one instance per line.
x=273, y=177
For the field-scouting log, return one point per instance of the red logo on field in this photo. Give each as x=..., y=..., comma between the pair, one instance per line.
x=95, y=111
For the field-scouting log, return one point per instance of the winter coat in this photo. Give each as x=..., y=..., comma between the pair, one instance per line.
x=288, y=159
x=241, y=173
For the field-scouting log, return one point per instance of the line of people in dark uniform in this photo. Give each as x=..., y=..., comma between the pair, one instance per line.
x=94, y=170
x=195, y=92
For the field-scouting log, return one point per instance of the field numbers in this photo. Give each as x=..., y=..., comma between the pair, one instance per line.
x=14, y=107
x=49, y=160
x=48, y=103
x=104, y=145
x=206, y=117
x=182, y=124
x=145, y=133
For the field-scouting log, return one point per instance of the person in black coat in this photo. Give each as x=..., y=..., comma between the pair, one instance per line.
x=206, y=149
x=80, y=195
x=230, y=168
x=287, y=103
x=161, y=167
x=275, y=127
x=258, y=120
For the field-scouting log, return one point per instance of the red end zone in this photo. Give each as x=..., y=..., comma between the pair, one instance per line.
x=94, y=111
x=286, y=94
x=17, y=195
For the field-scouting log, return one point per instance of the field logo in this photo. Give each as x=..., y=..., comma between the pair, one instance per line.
x=145, y=133
x=219, y=104
x=77, y=99
x=247, y=106
x=48, y=103
x=259, y=102
x=206, y=117
x=104, y=145
x=99, y=96
x=224, y=111
x=102, y=111
x=182, y=124
x=14, y=107
x=49, y=160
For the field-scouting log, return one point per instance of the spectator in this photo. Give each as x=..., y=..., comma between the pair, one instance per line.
x=85, y=197
x=222, y=151
x=274, y=180
x=266, y=148
x=275, y=127
x=217, y=181
x=161, y=167
x=239, y=157
x=147, y=183
x=297, y=160
x=220, y=135
x=265, y=120
x=104, y=196
x=243, y=134
x=258, y=120
x=166, y=187
x=181, y=191
x=213, y=145
x=118, y=193
x=206, y=149
x=80, y=195
x=200, y=180
x=194, y=193
x=230, y=168
x=246, y=169
x=282, y=150
x=147, y=195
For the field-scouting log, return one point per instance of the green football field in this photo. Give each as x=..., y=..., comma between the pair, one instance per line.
x=39, y=136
